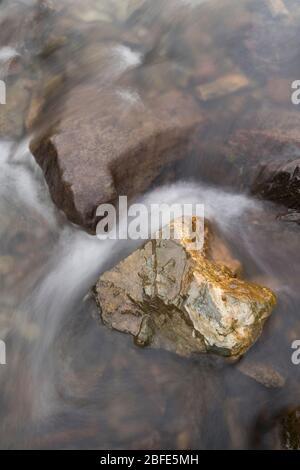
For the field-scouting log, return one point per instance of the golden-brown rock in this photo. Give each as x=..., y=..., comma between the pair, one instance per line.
x=186, y=300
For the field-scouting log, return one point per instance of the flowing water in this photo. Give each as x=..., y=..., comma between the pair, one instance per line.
x=69, y=382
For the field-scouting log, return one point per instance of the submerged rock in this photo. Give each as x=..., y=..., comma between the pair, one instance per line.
x=290, y=430
x=12, y=113
x=261, y=152
x=170, y=296
x=223, y=86
x=262, y=373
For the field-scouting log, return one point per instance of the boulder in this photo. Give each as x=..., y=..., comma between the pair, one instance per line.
x=171, y=296
x=112, y=143
x=280, y=182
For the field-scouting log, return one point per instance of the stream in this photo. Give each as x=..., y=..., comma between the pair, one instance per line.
x=71, y=383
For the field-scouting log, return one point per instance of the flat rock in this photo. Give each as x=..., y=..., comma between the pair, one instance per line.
x=169, y=295
x=262, y=373
x=112, y=143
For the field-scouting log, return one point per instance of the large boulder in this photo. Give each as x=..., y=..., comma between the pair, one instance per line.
x=169, y=295
x=112, y=143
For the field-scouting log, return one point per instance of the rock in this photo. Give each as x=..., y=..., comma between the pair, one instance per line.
x=223, y=86
x=170, y=296
x=261, y=373
x=290, y=216
x=290, y=430
x=112, y=143
x=260, y=144
x=280, y=182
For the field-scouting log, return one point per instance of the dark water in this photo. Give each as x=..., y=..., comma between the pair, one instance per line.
x=69, y=382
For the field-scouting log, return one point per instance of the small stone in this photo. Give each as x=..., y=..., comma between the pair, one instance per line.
x=262, y=373
x=223, y=86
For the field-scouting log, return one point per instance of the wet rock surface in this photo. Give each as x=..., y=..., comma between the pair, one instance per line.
x=280, y=183
x=170, y=296
x=119, y=147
